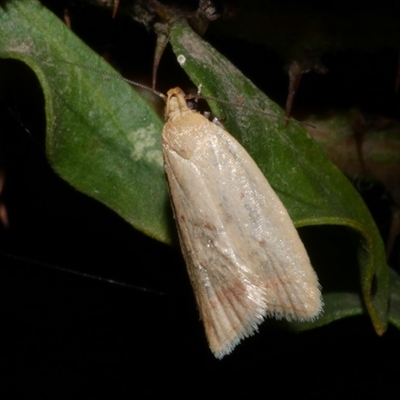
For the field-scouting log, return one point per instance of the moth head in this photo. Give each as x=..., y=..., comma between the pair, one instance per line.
x=176, y=104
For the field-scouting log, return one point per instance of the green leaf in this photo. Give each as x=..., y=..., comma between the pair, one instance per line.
x=313, y=190
x=102, y=137
x=394, y=305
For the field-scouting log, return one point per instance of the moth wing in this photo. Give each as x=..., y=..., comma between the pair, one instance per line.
x=244, y=257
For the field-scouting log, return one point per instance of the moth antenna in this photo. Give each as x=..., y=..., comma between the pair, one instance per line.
x=121, y=78
x=188, y=97
x=54, y=267
x=227, y=102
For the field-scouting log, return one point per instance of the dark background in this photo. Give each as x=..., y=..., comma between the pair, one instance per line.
x=67, y=334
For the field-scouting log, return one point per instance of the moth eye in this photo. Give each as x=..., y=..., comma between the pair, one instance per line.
x=192, y=104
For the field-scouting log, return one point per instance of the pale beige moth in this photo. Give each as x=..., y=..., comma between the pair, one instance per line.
x=243, y=254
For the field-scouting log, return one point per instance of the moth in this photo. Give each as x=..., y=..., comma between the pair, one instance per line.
x=243, y=254
x=244, y=257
